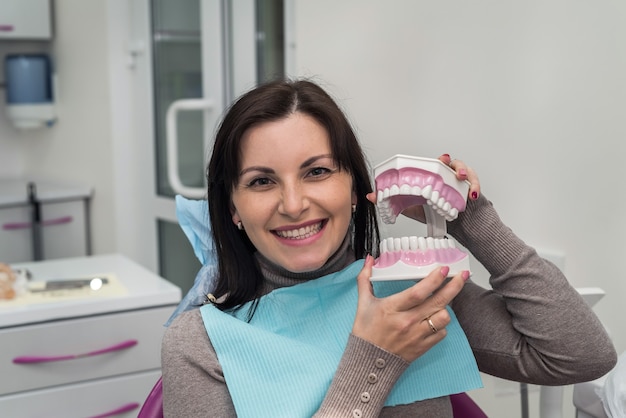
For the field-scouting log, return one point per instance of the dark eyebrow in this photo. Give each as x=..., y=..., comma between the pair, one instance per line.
x=266, y=170
x=312, y=160
x=263, y=170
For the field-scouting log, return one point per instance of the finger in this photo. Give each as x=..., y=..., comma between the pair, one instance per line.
x=474, y=190
x=464, y=172
x=371, y=197
x=445, y=158
x=421, y=291
x=460, y=168
x=444, y=295
x=437, y=322
x=364, y=285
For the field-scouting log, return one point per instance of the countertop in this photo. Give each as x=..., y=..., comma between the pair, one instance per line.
x=15, y=191
x=140, y=289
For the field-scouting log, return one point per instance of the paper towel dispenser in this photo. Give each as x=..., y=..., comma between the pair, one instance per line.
x=29, y=90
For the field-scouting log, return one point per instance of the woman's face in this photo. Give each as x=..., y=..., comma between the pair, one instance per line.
x=293, y=201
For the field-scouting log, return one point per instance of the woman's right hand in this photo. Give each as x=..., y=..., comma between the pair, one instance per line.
x=402, y=323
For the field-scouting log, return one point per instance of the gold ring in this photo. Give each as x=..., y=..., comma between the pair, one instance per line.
x=432, y=326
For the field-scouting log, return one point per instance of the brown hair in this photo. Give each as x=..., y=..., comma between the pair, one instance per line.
x=239, y=275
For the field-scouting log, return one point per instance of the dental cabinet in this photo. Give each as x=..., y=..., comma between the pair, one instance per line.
x=40, y=220
x=25, y=19
x=79, y=353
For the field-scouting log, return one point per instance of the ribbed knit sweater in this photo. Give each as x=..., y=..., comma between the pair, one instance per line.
x=530, y=326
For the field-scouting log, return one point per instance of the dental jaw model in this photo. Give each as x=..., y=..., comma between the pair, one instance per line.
x=403, y=181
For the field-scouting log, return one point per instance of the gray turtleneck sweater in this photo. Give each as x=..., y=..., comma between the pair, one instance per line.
x=532, y=326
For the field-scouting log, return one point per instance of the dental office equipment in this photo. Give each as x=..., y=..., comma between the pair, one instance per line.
x=403, y=181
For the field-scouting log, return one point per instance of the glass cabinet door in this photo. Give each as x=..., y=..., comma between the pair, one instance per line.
x=204, y=54
x=177, y=74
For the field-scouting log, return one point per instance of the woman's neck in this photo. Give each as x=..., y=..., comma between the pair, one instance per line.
x=277, y=276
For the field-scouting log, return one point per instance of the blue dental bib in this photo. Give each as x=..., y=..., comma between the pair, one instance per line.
x=283, y=361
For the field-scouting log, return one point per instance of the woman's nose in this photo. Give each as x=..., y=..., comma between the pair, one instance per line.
x=293, y=201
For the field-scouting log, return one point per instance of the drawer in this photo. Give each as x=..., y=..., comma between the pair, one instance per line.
x=90, y=399
x=16, y=242
x=69, y=340
x=64, y=231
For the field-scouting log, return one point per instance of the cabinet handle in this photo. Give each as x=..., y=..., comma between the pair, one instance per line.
x=118, y=411
x=24, y=225
x=45, y=359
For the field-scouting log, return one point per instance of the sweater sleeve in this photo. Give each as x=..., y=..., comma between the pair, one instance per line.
x=532, y=326
x=365, y=376
x=193, y=382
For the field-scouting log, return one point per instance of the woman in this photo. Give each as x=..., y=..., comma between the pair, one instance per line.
x=291, y=204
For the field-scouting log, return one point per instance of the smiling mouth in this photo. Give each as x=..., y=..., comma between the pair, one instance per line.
x=301, y=233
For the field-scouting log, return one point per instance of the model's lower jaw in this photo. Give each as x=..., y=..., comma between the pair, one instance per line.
x=415, y=257
x=407, y=181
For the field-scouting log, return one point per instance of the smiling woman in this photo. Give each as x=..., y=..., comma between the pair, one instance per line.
x=295, y=328
x=291, y=198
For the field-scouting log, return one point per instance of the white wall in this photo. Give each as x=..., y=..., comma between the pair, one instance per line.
x=532, y=94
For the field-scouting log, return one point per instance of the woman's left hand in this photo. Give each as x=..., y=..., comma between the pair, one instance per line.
x=463, y=172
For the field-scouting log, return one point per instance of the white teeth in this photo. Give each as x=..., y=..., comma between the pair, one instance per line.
x=433, y=199
x=414, y=243
x=300, y=233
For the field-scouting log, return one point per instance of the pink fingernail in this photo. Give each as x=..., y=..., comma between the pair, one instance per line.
x=444, y=271
x=474, y=195
x=463, y=172
x=465, y=275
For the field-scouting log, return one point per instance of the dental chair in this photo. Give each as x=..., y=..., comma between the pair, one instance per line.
x=462, y=405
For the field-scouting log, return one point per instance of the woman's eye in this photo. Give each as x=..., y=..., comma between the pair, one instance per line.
x=319, y=171
x=259, y=182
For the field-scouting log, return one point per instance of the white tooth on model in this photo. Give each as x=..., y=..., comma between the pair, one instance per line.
x=441, y=202
x=427, y=191
x=404, y=242
x=397, y=246
x=421, y=243
x=394, y=190
x=416, y=190
x=434, y=197
x=413, y=243
x=444, y=243
x=383, y=246
x=451, y=243
x=386, y=193
x=381, y=196
x=390, y=244
x=454, y=212
x=446, y=207
x=430, y=243
x=405, y=189
x=437, y=243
